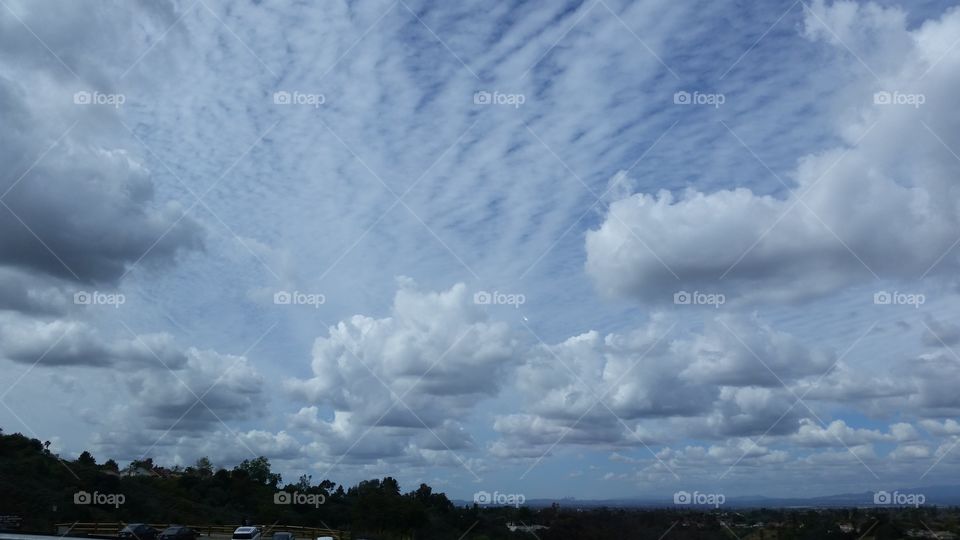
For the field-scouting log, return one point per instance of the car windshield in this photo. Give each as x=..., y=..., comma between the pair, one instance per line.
x=172, y=530
x=242, y=536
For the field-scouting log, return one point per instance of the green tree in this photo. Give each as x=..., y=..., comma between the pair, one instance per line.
x=204, y=467
x=258, y=470
x=303, y=484
x=86, y=459
x=142, y=463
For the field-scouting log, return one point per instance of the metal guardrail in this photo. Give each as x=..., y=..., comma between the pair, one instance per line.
x=111, y=528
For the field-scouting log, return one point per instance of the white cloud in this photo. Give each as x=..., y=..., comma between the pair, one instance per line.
x=623, y=389
x=187, y=412
x=883, y=203
x=911, y=452
x=79, y=203
x=904, y=432
x=740, y=352
x=947, y=427
x=498, y=209
x=411, y=378
x=63, y=342
x=837, y=433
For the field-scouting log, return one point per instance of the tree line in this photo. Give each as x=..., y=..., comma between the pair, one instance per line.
x=40, y=487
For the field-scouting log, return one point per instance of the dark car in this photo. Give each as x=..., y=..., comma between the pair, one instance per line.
x=178, y=532
x=138, y=531
x=281, y=535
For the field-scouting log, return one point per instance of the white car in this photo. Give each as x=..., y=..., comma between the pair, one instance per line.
x=246, y=533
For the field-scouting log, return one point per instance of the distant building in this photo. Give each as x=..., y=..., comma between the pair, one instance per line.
x=136, y=471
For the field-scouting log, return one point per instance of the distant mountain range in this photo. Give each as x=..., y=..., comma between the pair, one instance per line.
x=931, y=496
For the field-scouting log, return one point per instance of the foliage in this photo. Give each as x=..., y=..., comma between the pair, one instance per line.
x=40, y=487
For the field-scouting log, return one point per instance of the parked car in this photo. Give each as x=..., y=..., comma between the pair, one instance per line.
x=246, y=533
x=178, y=532
x=282, y=535
x=138, y=531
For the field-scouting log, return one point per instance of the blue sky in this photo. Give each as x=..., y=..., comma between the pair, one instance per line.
x=586, y=161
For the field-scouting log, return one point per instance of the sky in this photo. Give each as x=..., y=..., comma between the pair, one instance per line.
x=595, y=249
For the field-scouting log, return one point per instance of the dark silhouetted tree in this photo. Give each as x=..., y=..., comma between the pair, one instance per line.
x=86, y=459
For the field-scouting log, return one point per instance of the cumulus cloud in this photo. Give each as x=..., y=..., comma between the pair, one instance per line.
x=620, y=388
x=81, y=208
x=31, y=294
x=63, y=342
x=85, y=211
x=79, y=202
x=229, y=386
x=847, y=383
x=410, y=378
x=904, y=432
x=884, y=204
x=753, y=411
x=189, y=411
x=734, y=451
x=948, y=427
x=739, y=352
x=837, y=433
x=910, y=452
